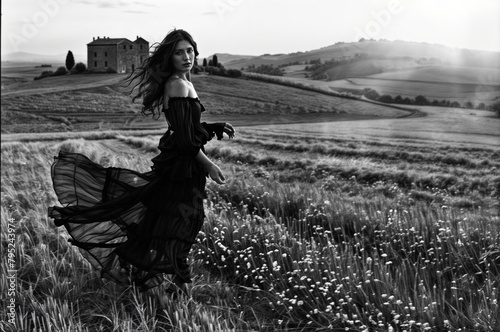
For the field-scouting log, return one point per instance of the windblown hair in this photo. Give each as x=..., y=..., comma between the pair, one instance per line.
x=151, y=76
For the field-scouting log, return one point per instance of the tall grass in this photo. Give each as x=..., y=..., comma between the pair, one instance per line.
x=321, y=253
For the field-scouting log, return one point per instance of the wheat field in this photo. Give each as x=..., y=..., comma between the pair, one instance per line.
x=343, y=226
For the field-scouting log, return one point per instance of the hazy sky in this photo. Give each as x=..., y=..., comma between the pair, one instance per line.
x=249, y=27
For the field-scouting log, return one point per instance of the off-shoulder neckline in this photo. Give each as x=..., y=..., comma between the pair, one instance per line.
x=183, y=98
x=193, y=98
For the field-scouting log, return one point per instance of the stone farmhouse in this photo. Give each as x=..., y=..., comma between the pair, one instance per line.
x=118, y=55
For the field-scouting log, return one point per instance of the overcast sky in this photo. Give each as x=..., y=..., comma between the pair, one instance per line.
x=248, y=27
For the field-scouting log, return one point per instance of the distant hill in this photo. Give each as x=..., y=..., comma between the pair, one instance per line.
x=444, y=54
x=39, y=58
x=407, y=69
x=226, y=57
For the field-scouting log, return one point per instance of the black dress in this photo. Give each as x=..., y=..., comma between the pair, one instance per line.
x=134, y=227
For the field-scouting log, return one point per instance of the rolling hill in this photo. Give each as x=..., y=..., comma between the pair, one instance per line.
x=394, y=49
x=390, y=67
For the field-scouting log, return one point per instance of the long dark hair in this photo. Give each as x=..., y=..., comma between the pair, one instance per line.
x=151, y=76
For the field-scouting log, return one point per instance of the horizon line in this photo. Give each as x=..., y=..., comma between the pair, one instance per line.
x=320, y=48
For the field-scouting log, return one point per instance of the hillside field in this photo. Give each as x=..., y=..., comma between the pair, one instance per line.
x=382, y=221
x=14, y=73
x=395, y=68
x=461, y=84
x=411, y=83
x=100, y=102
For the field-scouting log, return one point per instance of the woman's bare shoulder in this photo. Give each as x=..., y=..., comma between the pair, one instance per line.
x=176, y=87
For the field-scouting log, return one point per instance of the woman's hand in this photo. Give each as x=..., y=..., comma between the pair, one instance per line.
x=229, y=130
x=215, y=174
x=213, y=170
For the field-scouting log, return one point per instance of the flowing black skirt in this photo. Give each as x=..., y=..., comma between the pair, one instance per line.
x=134, y=227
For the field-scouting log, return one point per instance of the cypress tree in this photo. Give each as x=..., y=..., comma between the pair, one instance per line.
x=70, y=61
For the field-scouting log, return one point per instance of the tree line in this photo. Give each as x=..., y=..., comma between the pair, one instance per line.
x=214, y=67
x=70, y=67
x=423, y=101
x=265, y=69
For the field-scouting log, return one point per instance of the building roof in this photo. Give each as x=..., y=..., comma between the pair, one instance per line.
x=141, y=40
x=115, y=41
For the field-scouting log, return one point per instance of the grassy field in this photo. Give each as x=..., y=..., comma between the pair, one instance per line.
x=446, y=74
x=460, y=92
x=432, y=90
x=72, y=103
x=461, y=84
x=25, y=71
x=383, y=224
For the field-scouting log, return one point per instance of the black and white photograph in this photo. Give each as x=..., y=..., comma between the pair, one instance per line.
x=250, y=166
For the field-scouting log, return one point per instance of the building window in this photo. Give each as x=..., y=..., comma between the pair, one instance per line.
x=95, y=54
x=130, y=46
x=105, y=53
x=124, y=47
x=95, y=63
x=141, y=47
x=105, y=63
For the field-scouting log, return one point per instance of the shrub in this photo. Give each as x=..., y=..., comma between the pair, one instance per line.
x=265, y=69
x=385, y=99
x=60, y=71
x=79, y=68
x=44, y=74
x=495, y=107
x=221, y=71
x=216, y=71
x=233, y=73
x=469, y=104
x=371, y=94
x=407, y=101
x=421, y=100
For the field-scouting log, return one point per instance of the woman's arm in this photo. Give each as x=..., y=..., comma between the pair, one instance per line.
x=213, y=170
x=218, y=128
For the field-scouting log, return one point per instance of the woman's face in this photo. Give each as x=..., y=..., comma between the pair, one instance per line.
x=183, y=58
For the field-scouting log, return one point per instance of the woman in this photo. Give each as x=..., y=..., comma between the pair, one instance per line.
x=135, y=227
